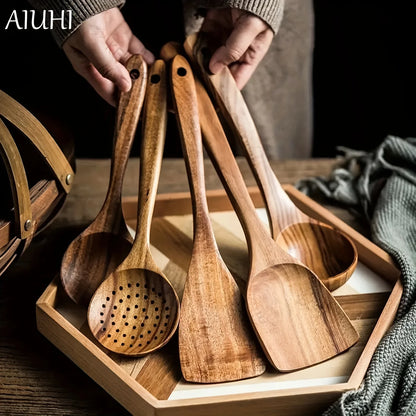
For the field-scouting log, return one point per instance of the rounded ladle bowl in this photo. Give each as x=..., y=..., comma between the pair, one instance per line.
x=101, y=247
x=327, y=251
x=101, y=253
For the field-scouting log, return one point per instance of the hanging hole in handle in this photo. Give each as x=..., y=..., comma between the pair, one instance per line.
x=134, y=74
x=181, y=71
x=155, y=78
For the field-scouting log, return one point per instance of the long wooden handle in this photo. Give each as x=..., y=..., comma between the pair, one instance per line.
x=40, y=137
x=237, y=115
x=216, y=143
x=186, y=108
x=211, y=129
x=128, y=113
x=151, y=154
x=18, y=181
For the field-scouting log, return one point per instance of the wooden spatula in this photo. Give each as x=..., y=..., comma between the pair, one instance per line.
x=216, y=342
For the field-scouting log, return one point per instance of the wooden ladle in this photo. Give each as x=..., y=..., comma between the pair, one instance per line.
x=136, y=310
x=101, y=247
x=327, y=251
x=297, y=320
x=216, y=342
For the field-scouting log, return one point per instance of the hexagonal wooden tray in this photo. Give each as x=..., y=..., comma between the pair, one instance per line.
x=153, y=385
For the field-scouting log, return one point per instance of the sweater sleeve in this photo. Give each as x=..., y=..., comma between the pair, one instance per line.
x=81, y=10
x=271, y=11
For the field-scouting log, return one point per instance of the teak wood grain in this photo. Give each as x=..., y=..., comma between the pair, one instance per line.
x=69, y=384
x=119, y=380
x=325, y=250
x=216, y=342
x=101, y=247
x=297, y=320
x=161, y=373
x=135, y=310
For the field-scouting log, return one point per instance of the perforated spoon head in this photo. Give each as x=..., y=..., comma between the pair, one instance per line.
x=134, y=312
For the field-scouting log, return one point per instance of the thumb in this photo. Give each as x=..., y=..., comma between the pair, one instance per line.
x=240, y=39
x=104, y=61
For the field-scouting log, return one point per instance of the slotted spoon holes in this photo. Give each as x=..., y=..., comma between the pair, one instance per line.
x=133, y=317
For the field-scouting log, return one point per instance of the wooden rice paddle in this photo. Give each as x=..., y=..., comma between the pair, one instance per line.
x=101, y=247
x=135, y=310
x=216, y=342
x=328, y=252
x=297, y=320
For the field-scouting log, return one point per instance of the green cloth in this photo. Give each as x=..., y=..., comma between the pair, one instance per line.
x=382, y=184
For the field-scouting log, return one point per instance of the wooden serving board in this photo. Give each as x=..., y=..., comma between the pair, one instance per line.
x=153, y=385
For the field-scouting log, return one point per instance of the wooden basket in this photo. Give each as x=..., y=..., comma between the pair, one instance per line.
x=153, y=385
x=35, y=177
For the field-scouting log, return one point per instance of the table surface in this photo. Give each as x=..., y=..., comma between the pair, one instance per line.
x=35, y=377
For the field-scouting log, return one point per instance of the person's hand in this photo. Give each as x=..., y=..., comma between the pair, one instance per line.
x=242, y=40
x=98, y=49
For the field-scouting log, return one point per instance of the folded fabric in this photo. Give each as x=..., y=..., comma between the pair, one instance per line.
x=382, y=186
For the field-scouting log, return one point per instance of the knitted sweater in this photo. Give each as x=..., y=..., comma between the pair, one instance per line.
x=271, y=11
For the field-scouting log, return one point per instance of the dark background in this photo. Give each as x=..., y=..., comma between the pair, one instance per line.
x=364, y=83
x=364, y=77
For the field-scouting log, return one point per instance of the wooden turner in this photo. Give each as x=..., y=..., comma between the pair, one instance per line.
x=330, y=253
x=216, y=342
x=297, y=320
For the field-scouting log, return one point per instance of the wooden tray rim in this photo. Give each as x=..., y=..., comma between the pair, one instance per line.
x=95, y=361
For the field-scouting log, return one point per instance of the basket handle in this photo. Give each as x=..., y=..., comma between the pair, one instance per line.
x=39, y=136
x=19, y=184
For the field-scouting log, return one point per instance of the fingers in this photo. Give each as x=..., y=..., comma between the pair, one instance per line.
x=243, y=34
x=103, y=86
x=242, y=73
x=123, y=44
x=99, y=49
x=137, y=47
x=244, y=48
x=99, y=54
x=245, y=67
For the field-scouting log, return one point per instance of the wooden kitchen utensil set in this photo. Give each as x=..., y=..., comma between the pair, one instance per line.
x=290, y=316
